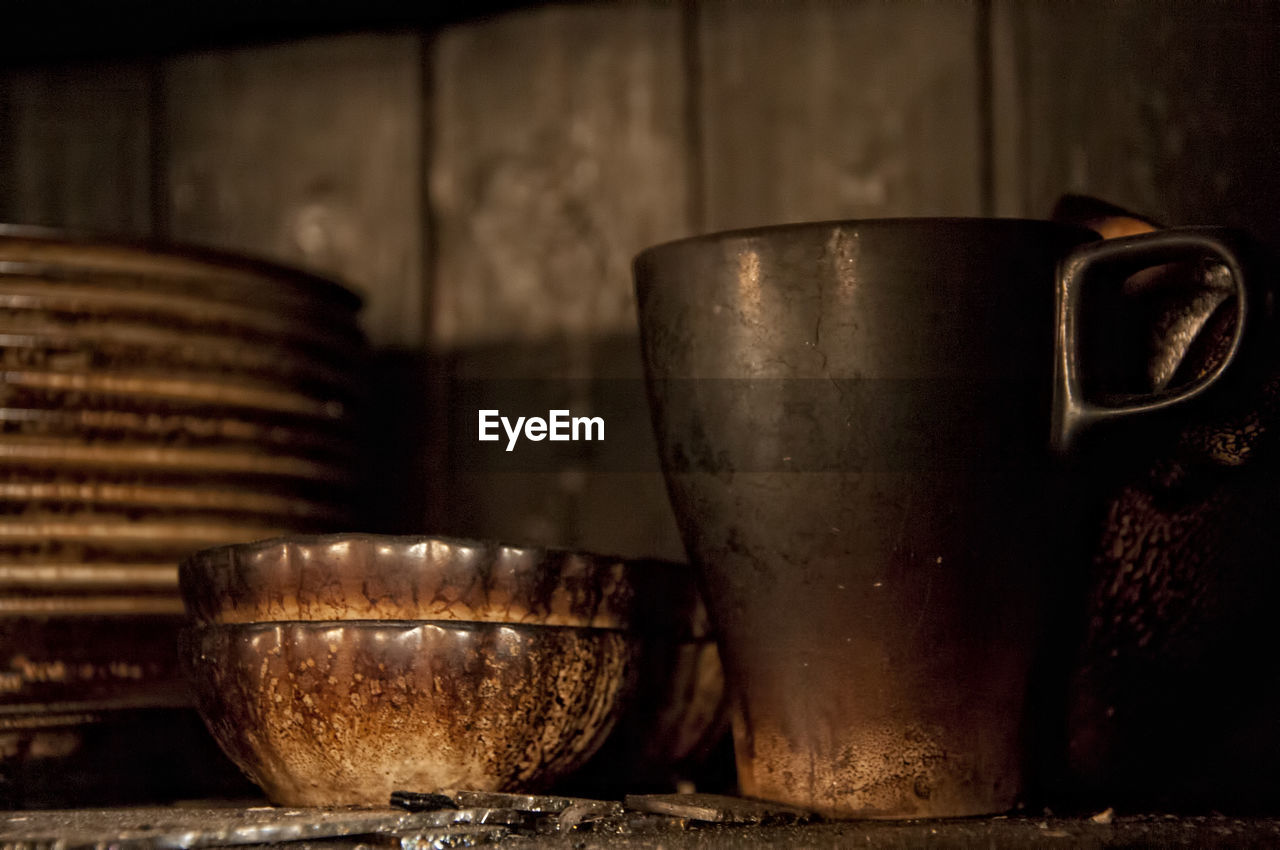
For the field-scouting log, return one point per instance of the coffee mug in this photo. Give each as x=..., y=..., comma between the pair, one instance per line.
x=860, y=424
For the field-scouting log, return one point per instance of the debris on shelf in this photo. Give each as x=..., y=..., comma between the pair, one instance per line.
x=718, y=808
x=416, y=802
x=535, y=803
x=449, y=838
x=443, y=820
x=642, y=814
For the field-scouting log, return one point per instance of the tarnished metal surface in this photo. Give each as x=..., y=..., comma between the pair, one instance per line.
x=527, y=814
x=373, y=577
x=421, y=801
x=344, y=713
x=536, y=803
x=679, y=709
x=474, y=816
x=854, y=420
x=445, y=838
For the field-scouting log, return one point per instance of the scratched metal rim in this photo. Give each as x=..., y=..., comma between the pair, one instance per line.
x=121, y=531
x=20, y=296
x=123, y=345
x=929, y=223
x=120, y=604
x=26, y=243
x=376, y=577
x=165, y=498
x=267, y=296
x=54, y=454
x=25, y=286
x=147, y=388
x=68, y=576
x=177, y=428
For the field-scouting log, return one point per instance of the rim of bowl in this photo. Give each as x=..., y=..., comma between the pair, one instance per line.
x=438, y=578
x=255, y=626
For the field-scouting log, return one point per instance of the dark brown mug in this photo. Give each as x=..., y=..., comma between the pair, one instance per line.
x=858, y=423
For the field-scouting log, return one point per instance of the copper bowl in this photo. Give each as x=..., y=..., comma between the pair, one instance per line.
x=345, y=712
x=336, y=669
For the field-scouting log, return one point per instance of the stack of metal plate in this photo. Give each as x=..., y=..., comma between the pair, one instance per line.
x=153, y=402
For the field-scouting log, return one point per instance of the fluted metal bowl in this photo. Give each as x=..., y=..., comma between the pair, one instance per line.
x=336, y=669
x=345, y=712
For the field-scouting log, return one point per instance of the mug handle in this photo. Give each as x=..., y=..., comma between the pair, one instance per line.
x=1116, y=259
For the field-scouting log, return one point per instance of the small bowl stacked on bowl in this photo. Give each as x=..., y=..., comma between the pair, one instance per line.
x=335, y=670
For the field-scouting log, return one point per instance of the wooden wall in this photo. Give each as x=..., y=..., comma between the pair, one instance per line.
x=486, y=184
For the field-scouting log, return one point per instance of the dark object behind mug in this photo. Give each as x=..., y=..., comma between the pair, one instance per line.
x=854, y=419
x=1175, y=689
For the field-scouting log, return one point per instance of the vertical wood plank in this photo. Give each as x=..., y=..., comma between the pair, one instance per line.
x=559, y=154
x=560, y=150
x=307, y=152
x=77, y=147
x=1009, y=120
x=1167, y=108
x=817, y=110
